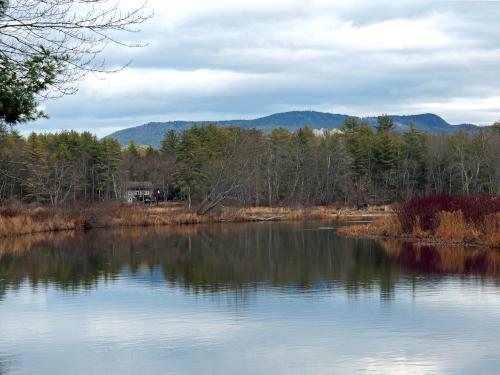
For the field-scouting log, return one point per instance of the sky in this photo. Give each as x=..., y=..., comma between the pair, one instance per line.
x=242, y=59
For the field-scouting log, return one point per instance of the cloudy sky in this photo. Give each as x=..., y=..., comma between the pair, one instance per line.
x=226, y=59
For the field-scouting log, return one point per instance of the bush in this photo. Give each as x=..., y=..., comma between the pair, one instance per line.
x=425, y=211
x=492, y=229
x=9, y=212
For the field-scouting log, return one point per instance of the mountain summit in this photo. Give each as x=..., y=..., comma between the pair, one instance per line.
x=152, y=133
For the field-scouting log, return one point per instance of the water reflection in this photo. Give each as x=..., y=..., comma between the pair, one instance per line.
x=444, y=259
x=205, y=258
x=232, y=257
x=246, y=299
x=5, y=365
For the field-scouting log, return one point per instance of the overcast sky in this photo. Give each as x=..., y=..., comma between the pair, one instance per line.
x=227, y=59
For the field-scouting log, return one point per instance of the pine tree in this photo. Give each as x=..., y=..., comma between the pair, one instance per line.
x=37, y=168
x=350, y=125
x=190, y=157
x=169, y=143
x=496, y=126
x=384, y=123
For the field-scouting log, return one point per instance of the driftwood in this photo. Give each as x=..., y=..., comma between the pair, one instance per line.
x=266, y=217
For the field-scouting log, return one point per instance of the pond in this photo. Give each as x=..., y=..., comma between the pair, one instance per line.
x=269, y=298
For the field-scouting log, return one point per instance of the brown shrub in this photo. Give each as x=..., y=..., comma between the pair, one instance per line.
x=451, y=226
x=491, y=230
x=387, y=226
x=417, y=230
x=474, y=208
x=9, y=211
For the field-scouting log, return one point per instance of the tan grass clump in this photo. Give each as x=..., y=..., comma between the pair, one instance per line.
x=453, y=227
x=417, y=230
x=384, y=226
x=492, y=230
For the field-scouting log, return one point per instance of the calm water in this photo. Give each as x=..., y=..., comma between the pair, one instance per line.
x=245, y=299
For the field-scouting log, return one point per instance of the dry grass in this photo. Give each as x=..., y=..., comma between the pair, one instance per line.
x=386, y=226
x=491, y=230
x=417, y=230
x=29, y=223
x=44, y=219
x=288, y=213
x=29, y=220
x=451, y=227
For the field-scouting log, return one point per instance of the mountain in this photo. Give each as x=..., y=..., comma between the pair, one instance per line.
x=153, y=132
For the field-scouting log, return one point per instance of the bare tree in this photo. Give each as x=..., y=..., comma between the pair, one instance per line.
x=73, y=33
x=228, y=173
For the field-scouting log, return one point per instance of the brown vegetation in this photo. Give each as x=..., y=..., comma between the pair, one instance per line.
x=461, y=219
x=28, y=220
x=450, y=227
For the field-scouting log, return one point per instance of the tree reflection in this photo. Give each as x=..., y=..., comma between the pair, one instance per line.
x=444, y=260
x=236, y=257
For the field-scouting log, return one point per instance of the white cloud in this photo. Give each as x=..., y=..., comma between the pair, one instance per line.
x=196, y=83
x=254, y=57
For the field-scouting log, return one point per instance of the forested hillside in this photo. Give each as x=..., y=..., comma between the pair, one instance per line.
x=152, y=133
x=210, y=165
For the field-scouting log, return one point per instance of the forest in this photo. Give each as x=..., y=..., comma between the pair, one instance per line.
x=209, y=166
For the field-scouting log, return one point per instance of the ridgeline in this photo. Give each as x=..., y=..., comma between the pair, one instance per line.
x=152, y=133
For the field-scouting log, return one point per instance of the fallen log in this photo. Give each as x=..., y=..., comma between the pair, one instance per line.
x=266, y=218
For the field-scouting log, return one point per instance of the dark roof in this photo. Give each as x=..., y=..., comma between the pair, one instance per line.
x=139, y=185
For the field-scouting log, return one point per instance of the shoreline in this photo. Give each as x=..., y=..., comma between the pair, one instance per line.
x=427, y=241
x=373, y=223
x=21, y=221
x=387, y=229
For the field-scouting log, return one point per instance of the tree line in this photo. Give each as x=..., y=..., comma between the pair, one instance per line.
x=208, y=166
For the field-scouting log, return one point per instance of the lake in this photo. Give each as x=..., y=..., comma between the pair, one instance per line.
x=268, y=298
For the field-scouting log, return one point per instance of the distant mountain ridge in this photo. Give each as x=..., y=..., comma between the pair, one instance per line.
x=152, y=133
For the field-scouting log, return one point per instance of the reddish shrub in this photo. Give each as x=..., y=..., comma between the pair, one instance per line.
x=41, y=214
x=474, y=209
x=9, y=212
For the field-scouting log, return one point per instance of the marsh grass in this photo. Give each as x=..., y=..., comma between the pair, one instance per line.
x=386, y=226
x=479, y=227
x=15, y=221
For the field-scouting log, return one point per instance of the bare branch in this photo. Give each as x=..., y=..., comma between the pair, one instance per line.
x=73, y=31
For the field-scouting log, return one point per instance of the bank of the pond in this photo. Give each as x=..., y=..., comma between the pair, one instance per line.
x=450, y=229
x=16, y=221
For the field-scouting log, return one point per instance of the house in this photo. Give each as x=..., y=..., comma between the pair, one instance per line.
x=138, y=191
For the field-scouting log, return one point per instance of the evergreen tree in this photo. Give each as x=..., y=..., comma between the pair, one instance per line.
x=350, y=125
x=496, y=126
x=384, y=123
x=191, y=155
x=169, y=142
x=36, y=164
x=20, y=85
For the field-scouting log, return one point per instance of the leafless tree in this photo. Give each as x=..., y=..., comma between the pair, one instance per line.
x=73, y=32
x=230, y=172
